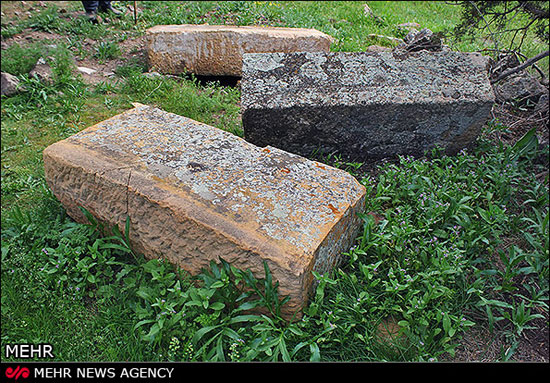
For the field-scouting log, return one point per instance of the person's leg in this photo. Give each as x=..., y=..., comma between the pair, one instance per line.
x=105, y=6
x=90, y=6
x=91, y=10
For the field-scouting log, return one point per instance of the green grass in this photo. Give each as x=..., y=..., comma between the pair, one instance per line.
x=459, y=241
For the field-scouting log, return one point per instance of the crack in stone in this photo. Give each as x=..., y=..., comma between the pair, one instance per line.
x=128, y=193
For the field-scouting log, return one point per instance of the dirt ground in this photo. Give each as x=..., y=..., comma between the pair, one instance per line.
x=132, y=48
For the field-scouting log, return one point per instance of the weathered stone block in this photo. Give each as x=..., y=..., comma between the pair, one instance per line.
x=195, y=193
x=217, y=50
x=364, y=105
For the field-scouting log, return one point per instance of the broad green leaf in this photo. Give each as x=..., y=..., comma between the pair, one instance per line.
x=283, y=350
x=446, y=323
x=217, y=306
x=142, y=322
x=203, y=331
x=315, y=354
x=217, y=284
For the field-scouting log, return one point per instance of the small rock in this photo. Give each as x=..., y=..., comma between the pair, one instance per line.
x=86, y=70
x=417, y=36
x=10, y=84
x=411, y=35
x=389, y=331
x=518, y=87
x=42, y=71
x=152, y=74
x=542, y=104
x=408, y=26
x=367, y=11
x=421, y=40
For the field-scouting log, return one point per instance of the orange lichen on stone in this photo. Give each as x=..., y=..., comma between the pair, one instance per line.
x=333, y=209
x=194, y=193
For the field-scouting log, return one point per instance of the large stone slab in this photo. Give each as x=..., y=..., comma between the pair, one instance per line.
x=365, y=105
x=195, y=193
x=217, y=50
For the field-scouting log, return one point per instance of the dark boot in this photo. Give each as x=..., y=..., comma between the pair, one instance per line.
x=92, y=17
x=109, y=8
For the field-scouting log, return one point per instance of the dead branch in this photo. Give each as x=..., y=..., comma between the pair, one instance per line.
x=527, y=63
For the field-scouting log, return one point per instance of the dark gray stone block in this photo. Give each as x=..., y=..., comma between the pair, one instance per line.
x=365, y=105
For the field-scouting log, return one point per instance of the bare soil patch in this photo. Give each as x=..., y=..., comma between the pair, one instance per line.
x=132, y=48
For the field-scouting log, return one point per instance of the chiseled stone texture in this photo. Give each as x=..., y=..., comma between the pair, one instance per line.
x=365, y=105
x=195, y=193
x=217, y=50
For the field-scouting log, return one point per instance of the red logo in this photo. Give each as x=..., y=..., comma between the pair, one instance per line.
x=18, y=372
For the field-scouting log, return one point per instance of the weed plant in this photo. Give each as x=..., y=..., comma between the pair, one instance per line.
x=106, y=50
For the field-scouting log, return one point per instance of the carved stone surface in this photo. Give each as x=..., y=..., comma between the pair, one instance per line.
x=365, y=105
x=217, y=50
x=195, y=193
